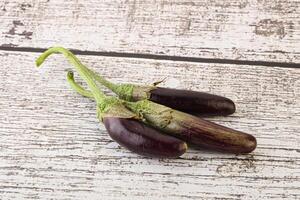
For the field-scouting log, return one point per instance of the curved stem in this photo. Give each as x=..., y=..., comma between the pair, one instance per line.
x=113, y=87
x=75, y=86
x=81, y=69
x=124, y=91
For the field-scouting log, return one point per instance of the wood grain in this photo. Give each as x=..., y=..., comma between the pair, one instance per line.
x=52, y=146
x=262, y=30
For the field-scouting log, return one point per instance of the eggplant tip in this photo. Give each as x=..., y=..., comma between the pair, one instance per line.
x=250, y=144
x=229, y=108
x=183, y=147
x=233, y=108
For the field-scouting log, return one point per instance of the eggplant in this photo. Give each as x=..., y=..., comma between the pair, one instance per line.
x=192, y=129
x=142, y=139
x=184, y=126
x=198, y=103
x=192, y=101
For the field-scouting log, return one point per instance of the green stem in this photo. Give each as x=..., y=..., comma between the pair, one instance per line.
x=124, y=91
x=113, y=87
x=81, y=69
x=75, y=86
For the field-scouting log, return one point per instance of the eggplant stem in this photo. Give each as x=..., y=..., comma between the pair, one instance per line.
x=106, y=105
x=112, y=86
x=81, y=69
x=78, y=88
x=124, y=91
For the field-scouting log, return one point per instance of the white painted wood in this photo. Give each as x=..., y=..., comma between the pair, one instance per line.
x=230, y=29
x=52, y=146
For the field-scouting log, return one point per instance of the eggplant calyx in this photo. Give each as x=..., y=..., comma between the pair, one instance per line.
x=141, y=92
x=124, y=91
x=113, y=107
x=161, y=116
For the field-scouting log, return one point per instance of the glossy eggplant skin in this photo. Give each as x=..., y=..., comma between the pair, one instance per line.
x=192, y=102
x=142, y=139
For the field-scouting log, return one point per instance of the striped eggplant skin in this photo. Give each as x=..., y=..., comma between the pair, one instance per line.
x=143, y=139
x=194, y=130
x=212, y=136
x=192, y=102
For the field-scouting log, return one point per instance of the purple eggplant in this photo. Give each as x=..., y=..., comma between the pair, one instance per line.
x=192, y=101
x=142, y=139
x=184, y=100
x=192, y=129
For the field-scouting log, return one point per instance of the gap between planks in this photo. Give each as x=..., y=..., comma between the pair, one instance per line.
x=162, y=57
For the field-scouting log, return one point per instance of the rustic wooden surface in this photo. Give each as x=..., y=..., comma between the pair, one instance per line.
x=53, y=147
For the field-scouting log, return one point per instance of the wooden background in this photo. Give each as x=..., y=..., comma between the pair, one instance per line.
x=53, y=147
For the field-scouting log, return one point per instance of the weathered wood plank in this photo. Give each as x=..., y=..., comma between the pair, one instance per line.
x=52, y=146
x=230, y=29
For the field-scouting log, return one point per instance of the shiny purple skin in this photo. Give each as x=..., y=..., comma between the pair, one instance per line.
x=142, y=139
x=192, y=101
